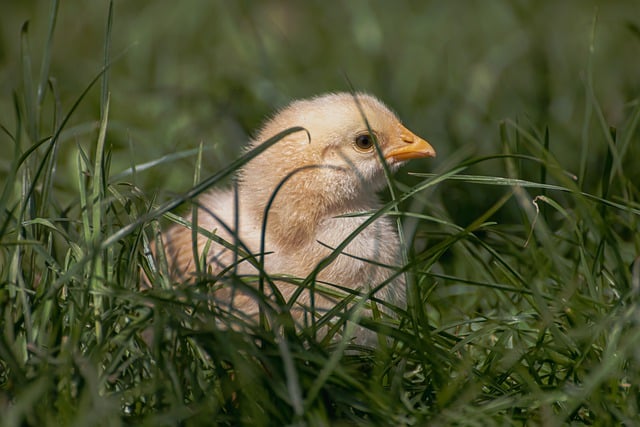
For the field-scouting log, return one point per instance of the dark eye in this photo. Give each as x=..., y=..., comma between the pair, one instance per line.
x=364, y=142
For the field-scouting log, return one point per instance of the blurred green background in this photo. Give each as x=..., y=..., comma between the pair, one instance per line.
x=209, y=71
x=547, y=311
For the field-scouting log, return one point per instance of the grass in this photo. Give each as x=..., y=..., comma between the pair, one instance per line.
x=522, y=247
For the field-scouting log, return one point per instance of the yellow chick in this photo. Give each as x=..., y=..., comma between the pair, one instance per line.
x=314, y=179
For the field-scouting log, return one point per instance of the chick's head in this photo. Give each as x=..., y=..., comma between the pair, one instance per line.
x=335, y=163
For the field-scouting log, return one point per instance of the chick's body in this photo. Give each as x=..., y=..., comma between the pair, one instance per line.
x=306, y=184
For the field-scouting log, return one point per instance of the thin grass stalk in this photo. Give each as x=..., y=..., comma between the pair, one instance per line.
x=46, y=58
x=27, y=75
x=194, y=220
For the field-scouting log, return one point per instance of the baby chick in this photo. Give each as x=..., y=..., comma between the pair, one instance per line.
x=305, y=186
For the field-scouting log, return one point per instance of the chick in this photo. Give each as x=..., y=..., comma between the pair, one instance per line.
x=307, y=184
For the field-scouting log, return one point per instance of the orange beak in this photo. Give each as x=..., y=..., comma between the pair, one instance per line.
x=410, y=146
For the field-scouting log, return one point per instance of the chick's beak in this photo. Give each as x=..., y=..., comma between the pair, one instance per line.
x=409, y=146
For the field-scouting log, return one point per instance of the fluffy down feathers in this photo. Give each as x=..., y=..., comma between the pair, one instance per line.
x=317, y=177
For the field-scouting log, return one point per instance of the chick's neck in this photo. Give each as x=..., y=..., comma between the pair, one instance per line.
x=296, y=213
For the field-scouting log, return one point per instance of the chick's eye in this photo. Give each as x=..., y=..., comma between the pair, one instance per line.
x=364, y=142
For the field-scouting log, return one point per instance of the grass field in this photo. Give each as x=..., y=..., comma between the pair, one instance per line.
x=522, y=237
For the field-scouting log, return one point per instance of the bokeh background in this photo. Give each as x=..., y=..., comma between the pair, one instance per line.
x=209, y=71
x=545, y=306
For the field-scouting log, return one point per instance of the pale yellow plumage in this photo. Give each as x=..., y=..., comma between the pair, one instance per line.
x=331, y=171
